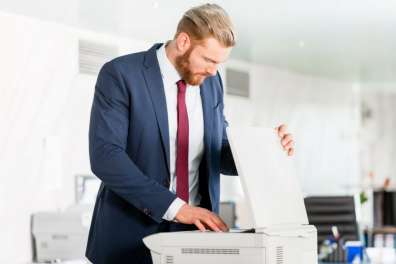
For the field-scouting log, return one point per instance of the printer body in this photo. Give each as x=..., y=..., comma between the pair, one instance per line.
x=61, y=235
x=281, y=233
x=282, y=245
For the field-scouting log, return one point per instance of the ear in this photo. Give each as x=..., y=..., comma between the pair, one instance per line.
x=183, y=42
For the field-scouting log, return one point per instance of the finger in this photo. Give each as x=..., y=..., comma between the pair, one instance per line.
x=290, y=152
x=286, y=139
x=223, y=226
x=200, y=226
x=215, y=219
x=289, y=145
x=210, y=224
x=220, y=223
x=282, y=130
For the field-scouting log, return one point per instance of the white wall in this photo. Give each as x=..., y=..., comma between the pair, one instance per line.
x=377, y=136
x=44, y=117
x=36, y=80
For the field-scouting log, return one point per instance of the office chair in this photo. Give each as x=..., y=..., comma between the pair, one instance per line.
x=324, y=212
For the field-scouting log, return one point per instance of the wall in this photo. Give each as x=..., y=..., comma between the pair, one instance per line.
x=44, y=116
x=377, y=135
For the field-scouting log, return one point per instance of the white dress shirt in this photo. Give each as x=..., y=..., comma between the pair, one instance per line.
x=196, y=132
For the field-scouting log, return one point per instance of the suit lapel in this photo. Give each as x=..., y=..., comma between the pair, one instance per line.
x=207, y=106
x=155, y=85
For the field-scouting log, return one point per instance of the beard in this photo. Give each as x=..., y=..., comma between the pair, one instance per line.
x=182, y=65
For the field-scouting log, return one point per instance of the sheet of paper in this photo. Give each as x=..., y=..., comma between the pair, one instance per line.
x=268, y=177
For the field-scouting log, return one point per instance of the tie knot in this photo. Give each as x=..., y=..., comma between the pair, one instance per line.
x=181, y=85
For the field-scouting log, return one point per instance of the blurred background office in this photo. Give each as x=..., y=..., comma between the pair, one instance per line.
x=325, y=68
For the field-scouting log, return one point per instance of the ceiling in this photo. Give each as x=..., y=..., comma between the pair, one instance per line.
x=351, y=40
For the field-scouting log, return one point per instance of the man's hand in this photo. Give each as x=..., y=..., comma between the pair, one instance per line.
x=202, y=218
x=286, y=139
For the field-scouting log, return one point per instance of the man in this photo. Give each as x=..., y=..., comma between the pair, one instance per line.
x=157, y=139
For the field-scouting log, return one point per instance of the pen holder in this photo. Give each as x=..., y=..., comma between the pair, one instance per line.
x=333, y=251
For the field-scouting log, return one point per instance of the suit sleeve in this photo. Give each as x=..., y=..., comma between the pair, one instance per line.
x=108, y=134
x=227, y=164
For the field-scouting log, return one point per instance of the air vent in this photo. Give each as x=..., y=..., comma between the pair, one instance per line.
x=93, y=55
x=211, y=251
x=238, y=82
x=169, y=259
x=279, y=255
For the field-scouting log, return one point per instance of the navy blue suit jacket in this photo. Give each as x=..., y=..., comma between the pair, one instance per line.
x=129, y=153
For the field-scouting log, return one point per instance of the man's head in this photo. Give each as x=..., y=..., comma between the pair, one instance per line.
x=203, y=40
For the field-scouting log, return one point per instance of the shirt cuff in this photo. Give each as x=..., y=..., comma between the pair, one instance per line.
x=173, y=209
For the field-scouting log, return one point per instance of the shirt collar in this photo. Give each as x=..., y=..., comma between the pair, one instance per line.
x=168, y=71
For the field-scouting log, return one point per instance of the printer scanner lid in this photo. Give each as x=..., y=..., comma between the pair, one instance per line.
x=268, y=177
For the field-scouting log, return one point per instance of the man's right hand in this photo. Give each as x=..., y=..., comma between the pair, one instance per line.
x=201, y=217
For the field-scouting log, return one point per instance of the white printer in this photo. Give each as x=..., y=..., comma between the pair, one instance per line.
x=281, y=234
x=61, y=235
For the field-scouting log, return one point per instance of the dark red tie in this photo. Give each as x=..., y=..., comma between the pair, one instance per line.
x=182, y=143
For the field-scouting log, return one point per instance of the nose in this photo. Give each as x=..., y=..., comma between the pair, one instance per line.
x=212, y=70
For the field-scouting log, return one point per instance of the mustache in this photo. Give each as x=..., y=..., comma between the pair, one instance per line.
x=203, y=74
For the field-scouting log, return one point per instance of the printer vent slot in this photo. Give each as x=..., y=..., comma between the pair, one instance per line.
x=169, y=259
x=210, y=251
x=279, y=255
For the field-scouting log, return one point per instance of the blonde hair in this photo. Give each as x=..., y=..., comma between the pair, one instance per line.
x=208, y=20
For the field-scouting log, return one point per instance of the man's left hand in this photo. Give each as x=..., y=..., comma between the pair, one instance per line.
x=286, y=139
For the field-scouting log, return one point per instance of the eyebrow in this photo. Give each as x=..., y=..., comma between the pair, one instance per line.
x=216, y=62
